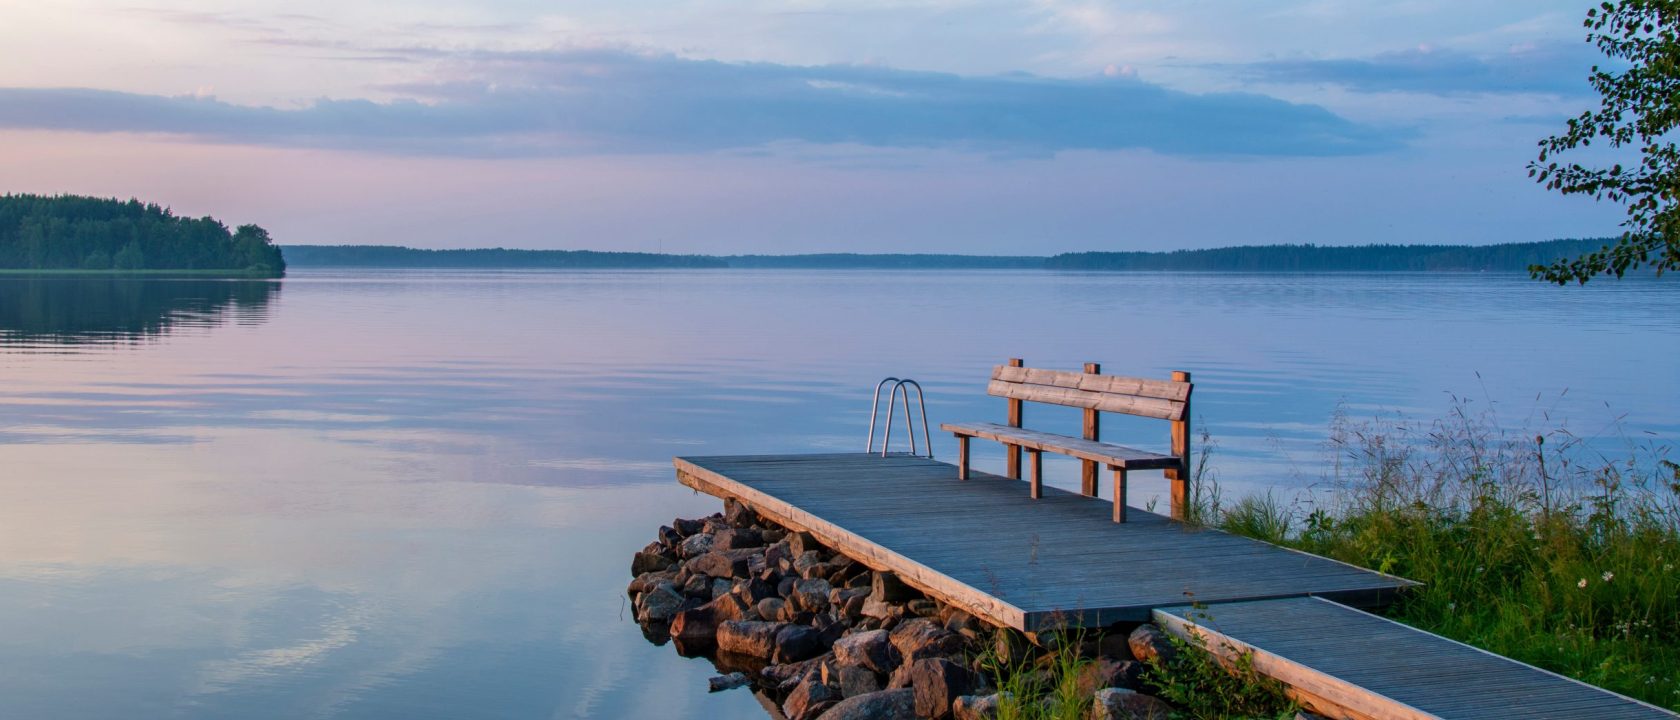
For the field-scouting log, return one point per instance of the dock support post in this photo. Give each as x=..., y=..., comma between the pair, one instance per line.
x=962, y=457
x=1119, y=493
x=1180, y=476
x=1035, y=462
x=1093, y=424
x=1012, y=453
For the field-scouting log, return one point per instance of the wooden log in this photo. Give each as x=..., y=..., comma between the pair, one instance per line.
x=1180, y=476
x=1093, y=431
x=1012, y=455
x=1035, y=458
x=1119, y=493
x=962, y=457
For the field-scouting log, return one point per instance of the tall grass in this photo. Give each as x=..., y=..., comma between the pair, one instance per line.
x=1533, y=546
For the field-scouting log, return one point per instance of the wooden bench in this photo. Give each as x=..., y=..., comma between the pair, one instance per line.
x=1095, y=393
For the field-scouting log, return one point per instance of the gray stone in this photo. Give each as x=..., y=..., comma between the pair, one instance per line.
x=938, y=682
x=803, y=542
x=645, y=581
x=754, y=590
x=1106, y=672
x=810, y=595
x=697, y=627
x=698, y=585
x=659, y=604
x=924, y=638
x=855, y=680
x=695, y=545
x=810, y=699
x=738, y=513
x=805, y=561
x=880, y=705
x=721, y=563
x=975, y=707
x=819, y=571
x=726, y=682
x=721, y=587
x=798, y=642
x=669, y=537
x=879, y=610
x=886, y=587
x=646, y=562
x=771, y=608
x=737, y=539
x=872, y=650
x=686, y=527
x=1123, y=704
x=1149, y=643
x=922, y=607
x=748, y=637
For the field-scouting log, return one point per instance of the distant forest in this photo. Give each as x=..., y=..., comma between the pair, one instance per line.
x=70, y=232
x=393, y=256
x=1510, y=257
x=1324, y=258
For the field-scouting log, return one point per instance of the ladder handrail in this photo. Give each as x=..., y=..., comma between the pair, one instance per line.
x=900, y=387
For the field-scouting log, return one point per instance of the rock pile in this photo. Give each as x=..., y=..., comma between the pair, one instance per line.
x=818, y=634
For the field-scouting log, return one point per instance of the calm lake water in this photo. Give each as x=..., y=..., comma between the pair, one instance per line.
x=416, y=494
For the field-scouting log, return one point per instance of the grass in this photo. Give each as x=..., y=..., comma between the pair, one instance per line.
x=1206, y=688
x=1534, y=546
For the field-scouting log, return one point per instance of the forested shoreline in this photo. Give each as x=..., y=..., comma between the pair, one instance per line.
x=1506, y=257
x=70, y=232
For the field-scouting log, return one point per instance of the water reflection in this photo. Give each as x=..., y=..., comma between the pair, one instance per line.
x=96, y=310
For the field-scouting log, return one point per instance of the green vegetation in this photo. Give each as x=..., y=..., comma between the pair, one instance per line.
x=1509, y=257
x=102, y=308
x=69, y=232
x=1638, y=112
x=1205, y=688
x=1319, y=258
x=1535, y=547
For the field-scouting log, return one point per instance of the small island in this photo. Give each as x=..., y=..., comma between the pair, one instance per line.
x=72, y=233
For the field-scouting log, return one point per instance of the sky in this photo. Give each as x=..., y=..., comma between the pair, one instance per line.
x=966, y=126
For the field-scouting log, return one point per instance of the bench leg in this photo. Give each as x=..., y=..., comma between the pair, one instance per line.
x=962, y=457
x=1035, y=464
x=1119, y=493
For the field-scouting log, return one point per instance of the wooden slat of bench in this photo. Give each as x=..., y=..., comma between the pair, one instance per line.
x=1107, y=453
x=1120, y=385
x=1074, y=397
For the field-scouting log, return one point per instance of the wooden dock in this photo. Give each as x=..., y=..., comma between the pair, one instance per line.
x=1348, y=663
x=984, y=545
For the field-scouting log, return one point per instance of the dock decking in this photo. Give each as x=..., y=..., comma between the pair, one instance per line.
x=984, y=545
x=1369, y=666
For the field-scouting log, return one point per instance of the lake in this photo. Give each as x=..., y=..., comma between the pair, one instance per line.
x=406, y=494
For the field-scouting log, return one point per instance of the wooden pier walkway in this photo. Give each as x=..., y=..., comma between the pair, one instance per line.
x=984, y=545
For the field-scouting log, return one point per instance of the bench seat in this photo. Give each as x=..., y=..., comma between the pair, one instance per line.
x=1118, y=456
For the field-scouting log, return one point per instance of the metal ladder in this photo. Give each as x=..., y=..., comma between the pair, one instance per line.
x=899, y=387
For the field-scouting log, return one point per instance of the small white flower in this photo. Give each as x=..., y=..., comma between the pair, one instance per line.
x=1608, y=575
x=1668, y=566
x=1479, y=568
x=1582, y=584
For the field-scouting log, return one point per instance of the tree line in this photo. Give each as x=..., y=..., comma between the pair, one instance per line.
x=72, y=232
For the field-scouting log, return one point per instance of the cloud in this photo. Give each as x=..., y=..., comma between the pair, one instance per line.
x=611, y=101
x=1554, y=68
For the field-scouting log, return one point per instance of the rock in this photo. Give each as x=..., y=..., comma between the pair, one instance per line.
x=753, y=591
x=924, y=638
x=1106, y=672
x=820, y=571
x=872, y=650
x=659, y=604
x=798, y=642
x=803, y=542
x=975, y=707
x=646, y=562
x=922, y=607
x=791, y=674
x=900, y=677
x=686, y=528
x=698, y=627
x=773, y=535
x=784, y=588
x=861, y=580
x=881, y=705
x=645, y=581
x=771, y=608
x=839, y=596
x=880, y=610
x=938, y=683
x=1010, y=647
x=957, y=621
x=778, y=551
x=748, y=637
x=669, y=537
x=1149, y=643
x=1123, y=704
x=1115, y=645
x=853, y=608
x=855, y=680
x=699, y=586
x=809, y=699
x=721, y=587
x=739, y=514
x=726, y=682
x=886, y=587
x=810, y=595
x=737, y=538
x=721, y=563
x=1304, y=715
x=805, y=561
x=695, y=545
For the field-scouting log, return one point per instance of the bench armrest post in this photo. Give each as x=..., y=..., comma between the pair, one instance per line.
x=1012, y=454
x=1093, y=431
x=1180, y=476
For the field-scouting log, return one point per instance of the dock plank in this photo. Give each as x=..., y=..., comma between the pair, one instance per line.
x=1031, y=564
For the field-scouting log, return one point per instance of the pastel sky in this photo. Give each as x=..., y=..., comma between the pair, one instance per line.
x=967, y=126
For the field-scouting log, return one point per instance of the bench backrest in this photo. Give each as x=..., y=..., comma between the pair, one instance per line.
x=1164, y=399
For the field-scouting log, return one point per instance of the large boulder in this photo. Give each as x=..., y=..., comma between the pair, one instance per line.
x=803, y=542
x=887, y=588
x=810, y=595
x=1123, y=704
x=872, y=650
x=798, y=642
x=975, y=707
x=659, y=604
x=721, y=563
x=737, y=538
x=881, y=705
x=810, y=699
x=646, y=562
x=938, y=682
x=686, y=527
x=857, y=680
x=738, y=513
x=645, y=581
x=924, y=638
x=1106, y=672
x=788, y=675
x=697, y=627
x=1148, y=643
x=695, y=545
x=748, y=637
